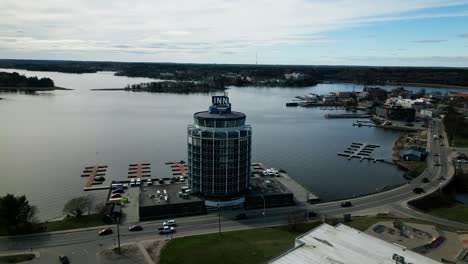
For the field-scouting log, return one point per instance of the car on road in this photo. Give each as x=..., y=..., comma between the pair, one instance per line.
x=64, y=260
x=346, y=204
x=436, y=164
x=441, y=144
x=436, y=155
x=166, y=230
x=105, y=231
x=241, y=216
x=169, y=223
x=425, y=180
x=418, y=190
x=135, y=228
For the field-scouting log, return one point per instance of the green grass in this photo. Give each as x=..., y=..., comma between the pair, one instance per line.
x=460, y=142
x=246, y=246
x=73, y=223
x=16, y=258
x=443, y=206
x=363, y=223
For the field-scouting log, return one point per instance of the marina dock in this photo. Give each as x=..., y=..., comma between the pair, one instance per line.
x=362, y=151
x=178, y=168
x=92, y=172
x=347, y=116
x=139, y=170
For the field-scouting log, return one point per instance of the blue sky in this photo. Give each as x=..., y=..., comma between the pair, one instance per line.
x=334, y=32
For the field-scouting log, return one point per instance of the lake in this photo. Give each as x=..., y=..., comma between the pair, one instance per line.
x=47, y=139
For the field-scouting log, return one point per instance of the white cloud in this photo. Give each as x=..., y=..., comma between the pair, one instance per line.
x=187, y=30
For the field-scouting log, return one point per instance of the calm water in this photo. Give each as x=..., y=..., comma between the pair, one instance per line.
x=47, y=139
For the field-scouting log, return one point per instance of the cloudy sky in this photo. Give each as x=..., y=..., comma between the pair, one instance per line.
x=332, y=32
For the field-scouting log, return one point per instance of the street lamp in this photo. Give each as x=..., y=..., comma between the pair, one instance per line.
x=117, y=221
x=264, y=205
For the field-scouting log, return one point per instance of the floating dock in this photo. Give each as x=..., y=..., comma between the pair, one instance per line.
x=138, y=170
x=178, y=168
x=92, y=172
x=362, y=151
x=347, y=116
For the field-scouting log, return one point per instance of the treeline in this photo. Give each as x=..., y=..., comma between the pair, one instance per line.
x=177, y=87
x=255, y=74
x=455, y=124
x=16, y=80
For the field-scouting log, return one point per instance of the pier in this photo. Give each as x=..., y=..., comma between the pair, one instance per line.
x=347, y=116
x=138, y=170
x=362, y=151
x=92, y=173
x=178, y=168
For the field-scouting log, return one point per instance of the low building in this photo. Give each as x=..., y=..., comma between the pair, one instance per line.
x=375, y=93
x=329, y=98
x=267, y=192
x=296, y=76
x=426, y=113
x=342, y=244
x=412, y=155
x=396, y=113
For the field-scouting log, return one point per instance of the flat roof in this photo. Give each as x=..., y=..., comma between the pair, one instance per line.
x=342, y=244
x=266, y=186
x=149, y=195
x=233, y=115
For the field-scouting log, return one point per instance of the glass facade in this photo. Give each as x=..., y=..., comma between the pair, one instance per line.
x=219, y=156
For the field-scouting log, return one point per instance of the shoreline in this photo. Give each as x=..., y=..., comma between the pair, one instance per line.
x=33, y=89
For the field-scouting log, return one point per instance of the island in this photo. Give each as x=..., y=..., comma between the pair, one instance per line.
x=173, y=87
x=14, y=82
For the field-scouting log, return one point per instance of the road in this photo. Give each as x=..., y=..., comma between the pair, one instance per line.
x=84, y=244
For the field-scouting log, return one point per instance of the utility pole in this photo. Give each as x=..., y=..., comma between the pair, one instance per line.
x=118, y=234
x=219, y=219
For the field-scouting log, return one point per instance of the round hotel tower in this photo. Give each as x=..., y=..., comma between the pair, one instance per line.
x=219, y=147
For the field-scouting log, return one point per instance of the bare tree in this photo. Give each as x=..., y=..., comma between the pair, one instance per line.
x=78, y=206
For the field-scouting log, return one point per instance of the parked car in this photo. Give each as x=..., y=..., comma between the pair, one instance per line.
x=166, y=230
x=132, y=182
x=135, y=228
x=425, y=180
x=241, y=216
x=105, y=231
x=161, y=181
x=116, y=195
x=346, y=204
x=149, y=182
x=64, y=260
x=169, y=223
x=418, y=190
x=138, y=182
x=118, y=191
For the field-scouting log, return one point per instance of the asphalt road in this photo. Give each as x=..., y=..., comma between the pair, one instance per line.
x=84, y=244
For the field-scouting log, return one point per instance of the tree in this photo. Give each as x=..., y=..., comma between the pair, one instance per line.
x=78, y=206
x=16, y=214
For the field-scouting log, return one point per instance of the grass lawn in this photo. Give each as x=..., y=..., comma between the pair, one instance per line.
x=363, y=223
x=444, y=207
x=415, y=168
x=73, y=222
x=245, y=246
x=16, y=258
x=460, y=142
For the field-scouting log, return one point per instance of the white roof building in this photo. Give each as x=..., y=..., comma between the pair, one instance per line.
x=341, y=244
